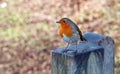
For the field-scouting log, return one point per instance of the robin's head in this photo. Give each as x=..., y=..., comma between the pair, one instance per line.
x=64, y=21
x=65, y=27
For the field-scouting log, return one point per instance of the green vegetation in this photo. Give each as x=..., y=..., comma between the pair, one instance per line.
x=11, y=33
x=12, y=17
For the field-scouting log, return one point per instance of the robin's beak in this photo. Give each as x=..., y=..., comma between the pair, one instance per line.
x=57, y=22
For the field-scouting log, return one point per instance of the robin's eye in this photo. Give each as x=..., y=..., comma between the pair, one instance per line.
x=64, y=21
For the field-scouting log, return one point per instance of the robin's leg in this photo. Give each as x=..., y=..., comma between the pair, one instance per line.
x=65, y=50
x=76, y=47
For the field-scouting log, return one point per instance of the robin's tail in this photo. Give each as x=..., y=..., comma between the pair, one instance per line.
x=82, y=38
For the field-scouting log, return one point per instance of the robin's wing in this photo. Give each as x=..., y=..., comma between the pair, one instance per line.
x=80, y=33
x=76, y=29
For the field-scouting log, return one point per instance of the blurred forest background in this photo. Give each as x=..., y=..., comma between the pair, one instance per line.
x=28, y=31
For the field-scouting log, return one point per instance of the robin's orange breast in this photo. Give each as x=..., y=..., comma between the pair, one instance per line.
x=66, y=30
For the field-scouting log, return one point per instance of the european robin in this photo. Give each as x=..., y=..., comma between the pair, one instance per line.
x=70, y=32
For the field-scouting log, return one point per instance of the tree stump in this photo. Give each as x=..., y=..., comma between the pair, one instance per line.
x=92, y=57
